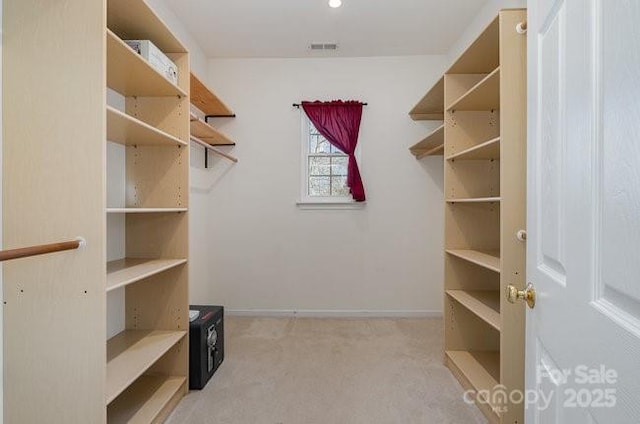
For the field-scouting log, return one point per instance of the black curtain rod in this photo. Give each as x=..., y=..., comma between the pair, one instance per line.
x=298, y=104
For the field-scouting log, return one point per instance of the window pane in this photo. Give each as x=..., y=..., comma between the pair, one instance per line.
x=319, y=165
x=339, y=165
x=336, y=150
x=313, y=144
x=339, y=186
x=327, y=167
x=318, y=144
x=319, y=186
x=323, y=146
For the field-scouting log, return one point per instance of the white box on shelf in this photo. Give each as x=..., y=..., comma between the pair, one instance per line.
x=156, y=58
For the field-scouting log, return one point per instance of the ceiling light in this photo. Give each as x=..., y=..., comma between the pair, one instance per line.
x=335, y=3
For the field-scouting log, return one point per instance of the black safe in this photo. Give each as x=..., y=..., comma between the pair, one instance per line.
x=206, y=344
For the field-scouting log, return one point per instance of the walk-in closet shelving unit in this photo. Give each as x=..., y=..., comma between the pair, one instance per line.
x=209, y=106
x=484, y=106
x=147, y=363
x=60, y=57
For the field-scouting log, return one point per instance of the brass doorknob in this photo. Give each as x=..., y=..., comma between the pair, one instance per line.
x=528, y=294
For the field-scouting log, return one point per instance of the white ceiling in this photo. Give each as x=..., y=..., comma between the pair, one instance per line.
x=285, y=28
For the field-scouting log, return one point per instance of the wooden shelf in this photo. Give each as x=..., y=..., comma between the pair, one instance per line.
x=130, y=75
x=127, y=130
x=489, y=259
x=484, y=151
x=484, y=303
x=431, y=145
x=436, y=151
x=475, y=200
x=485, y=95
x=483, y=55
x=131, y=353
x=431, y=106
x=146, y=210
x=135, y=20
x=129, y=270
x=205, y=100
x=145, y=401
x=208, y=134
x=476, y=370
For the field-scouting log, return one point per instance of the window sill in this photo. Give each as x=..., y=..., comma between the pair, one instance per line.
x=310, y=205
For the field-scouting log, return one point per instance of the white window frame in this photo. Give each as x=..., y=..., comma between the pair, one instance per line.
x=317, y=202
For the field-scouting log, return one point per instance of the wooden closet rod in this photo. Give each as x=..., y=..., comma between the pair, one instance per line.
x=24, y=252
x=213, y=149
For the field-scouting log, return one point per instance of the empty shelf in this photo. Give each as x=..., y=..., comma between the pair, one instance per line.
x=146, y=210
x=475, y=200
x=431, y=106
x=487, y=150
x=125, y=129
x=129, y=270
x=130, y=75
x=485, y=304
x=208, y=134
x=487, y=259
x=431, y=145
x=205, y=100
x=479, y=371
x=485, y=95
x=145, y=400
x=131, y=353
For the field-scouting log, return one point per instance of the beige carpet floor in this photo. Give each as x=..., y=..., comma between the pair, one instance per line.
x=330, y=371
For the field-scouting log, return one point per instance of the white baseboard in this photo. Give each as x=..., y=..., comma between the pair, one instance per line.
x=312, y=313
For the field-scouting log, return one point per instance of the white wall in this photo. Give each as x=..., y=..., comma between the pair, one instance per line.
x=484, y=17
x=265, y=253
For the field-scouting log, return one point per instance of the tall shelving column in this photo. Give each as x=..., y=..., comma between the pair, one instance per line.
x=147, y=363
x=60, y=57
x=473, y=321
x=482, y=98
x=485, y=126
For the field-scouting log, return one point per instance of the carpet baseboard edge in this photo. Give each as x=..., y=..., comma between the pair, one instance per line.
x=311, y=313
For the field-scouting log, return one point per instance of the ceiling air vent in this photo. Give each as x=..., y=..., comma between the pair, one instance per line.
x=324, y=46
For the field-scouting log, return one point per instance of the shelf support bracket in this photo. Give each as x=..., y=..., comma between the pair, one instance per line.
x=206, y=117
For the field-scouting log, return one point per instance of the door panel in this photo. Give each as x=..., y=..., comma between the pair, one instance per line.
x=618, y=167
x=583, y=212
x=550, y=408
x=551, y=93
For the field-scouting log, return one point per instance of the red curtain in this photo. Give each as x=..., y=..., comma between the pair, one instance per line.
x=339, y=122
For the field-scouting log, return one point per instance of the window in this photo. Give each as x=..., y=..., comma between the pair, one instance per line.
x=324, y=169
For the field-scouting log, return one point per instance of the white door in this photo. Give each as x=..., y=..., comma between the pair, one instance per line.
x=583, y=249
